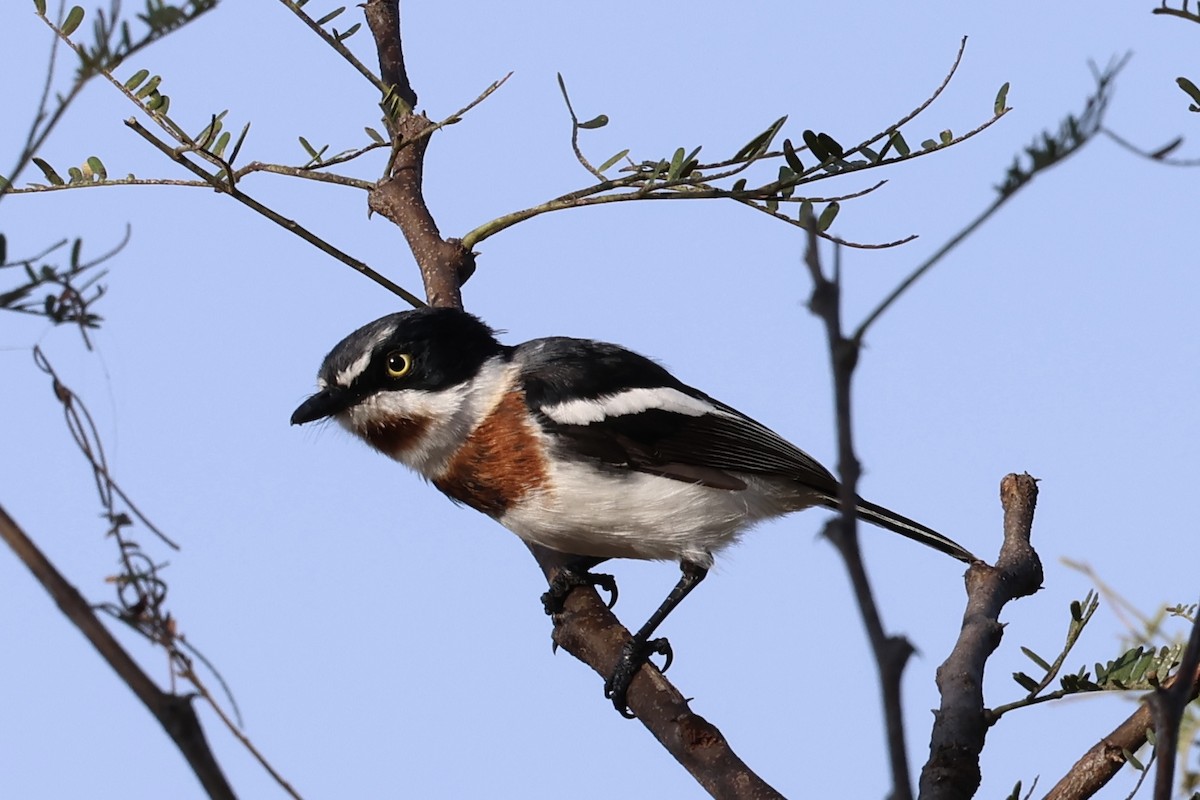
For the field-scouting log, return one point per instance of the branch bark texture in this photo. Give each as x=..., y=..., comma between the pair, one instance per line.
x=960, y=727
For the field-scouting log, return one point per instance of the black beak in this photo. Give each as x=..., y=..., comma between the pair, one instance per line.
x=325, y=403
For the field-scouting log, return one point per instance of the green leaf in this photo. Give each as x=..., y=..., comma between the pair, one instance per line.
x=353, y=29
x=739, y=184
x=831, y=145
x=772, y=205
x=1076, y=611
x=136, y=78
x=149, y=88
x=690, y=163
x=97, y=168
x=74, y=175
x=3, y=249
x=1133, y=762
x=4, y=184
x=375, y=135
x=222, y=142
x=806, y=212
x=74, y=17
x=898, y=142
x=1144, y=663
x=47, y=170
x=595, y=122
x=790, y=156
x=759, y=144
x=1035, y=658
x=676, y=164
x=308, y=148
x=946, y=136
x=613, y=160
x=1151, y=737
x=1192, y=92
x=76, y=248
x=1001, y=103
x=40, y=5
x=813, y=142
x=786, y=181
x=828, y=216
x=1027, y=683
x=331, y=15
x=871, y=155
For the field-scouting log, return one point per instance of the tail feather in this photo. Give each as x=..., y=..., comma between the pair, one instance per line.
x=897, y=523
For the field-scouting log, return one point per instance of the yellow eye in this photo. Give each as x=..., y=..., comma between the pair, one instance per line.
x=398, y=364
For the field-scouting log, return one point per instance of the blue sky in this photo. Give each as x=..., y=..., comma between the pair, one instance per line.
x=383, y=642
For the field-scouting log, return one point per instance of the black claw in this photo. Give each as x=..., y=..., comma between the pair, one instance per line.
x=663, y=648
x=568, y=579
x=633, y=655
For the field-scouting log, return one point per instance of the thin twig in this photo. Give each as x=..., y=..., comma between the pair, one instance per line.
x=173, y=712
x=891, y=652
x=1072, y=136
x=337, y=45
x=287, y=224
x=575, y=133
x=1159, y=155
x=194, y=679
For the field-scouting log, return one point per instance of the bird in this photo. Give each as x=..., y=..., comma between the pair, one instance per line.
x=577, y=445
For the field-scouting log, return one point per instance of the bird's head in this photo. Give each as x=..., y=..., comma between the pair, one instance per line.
x=396, y=381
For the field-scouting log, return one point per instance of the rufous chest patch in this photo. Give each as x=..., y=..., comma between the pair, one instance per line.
x=500, y=462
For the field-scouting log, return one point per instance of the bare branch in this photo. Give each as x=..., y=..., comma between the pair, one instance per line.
x=891, y=652
x=1167, y=705
x=337, y=45
x=1073, y=133
x=1105, y=758
x=173, y=712
x=960, y=724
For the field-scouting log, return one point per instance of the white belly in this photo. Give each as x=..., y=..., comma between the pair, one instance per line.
x=609, y=513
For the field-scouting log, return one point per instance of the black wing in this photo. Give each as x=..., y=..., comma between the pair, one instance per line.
x=711, y=448
x=703, y=447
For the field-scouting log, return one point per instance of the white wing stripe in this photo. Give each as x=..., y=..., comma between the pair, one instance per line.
x=630, y=401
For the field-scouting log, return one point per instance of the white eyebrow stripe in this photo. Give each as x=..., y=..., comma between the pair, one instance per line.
x=346, y=376
x=630, y=401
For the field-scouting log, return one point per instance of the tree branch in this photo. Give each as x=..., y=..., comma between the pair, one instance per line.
x=891, y=652
x=1103, y=760
x=960, y=725
x=585, y=628
x=1167, y=704
x=173, y=712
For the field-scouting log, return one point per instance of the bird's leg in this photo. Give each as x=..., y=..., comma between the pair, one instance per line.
x=577, y=573
x=637, y=650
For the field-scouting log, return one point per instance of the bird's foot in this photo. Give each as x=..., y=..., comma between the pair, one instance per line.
x=567, y=579
x=634, y=654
